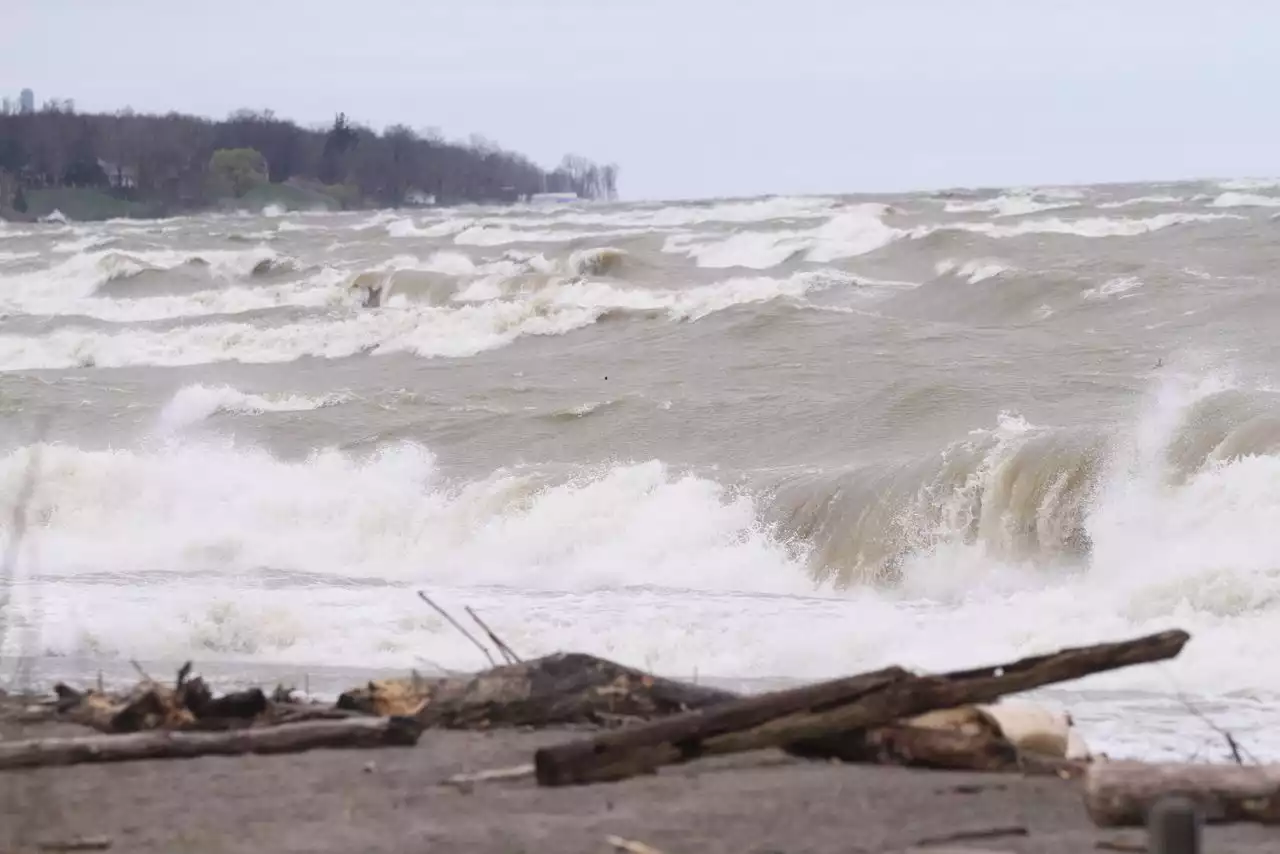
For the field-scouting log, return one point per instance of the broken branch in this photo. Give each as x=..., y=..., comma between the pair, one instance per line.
x=506, y=651
x=442, y=612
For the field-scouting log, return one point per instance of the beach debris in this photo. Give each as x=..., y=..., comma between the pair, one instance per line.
x=828, y=719
x=970, y=835
x=163, y=744
x=493, y=775
x=559, y=689
x=79, y=843
x=461, y=628
x=631, y=846
x=188, y=704
x=990, y=737
x=507, y=653
x=1124, y=794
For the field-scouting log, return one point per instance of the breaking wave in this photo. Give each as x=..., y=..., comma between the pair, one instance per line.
x=1245, y=200
x=1172, y=517
x=1086, y=227
x=852, y=232
x=1005, y=206
x=195, y=403
x=482, y=317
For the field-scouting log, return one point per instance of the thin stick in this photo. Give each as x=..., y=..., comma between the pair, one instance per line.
x=967, y=835
x=141, y=672
x=506, y=651
x=1230, y=739
x=631, y=846
x=82, y=843
x=442, y=612
x=518, y=772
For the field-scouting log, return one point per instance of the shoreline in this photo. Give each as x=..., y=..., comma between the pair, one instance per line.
x=1156, y=726
x=394, y=800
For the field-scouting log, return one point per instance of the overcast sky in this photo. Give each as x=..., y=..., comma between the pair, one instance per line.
x=711, y=97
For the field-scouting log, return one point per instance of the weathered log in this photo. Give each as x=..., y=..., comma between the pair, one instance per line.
x=1122, y=794
x=819, y=719
x=162, y=744
x=565, y=688
x=921, y=747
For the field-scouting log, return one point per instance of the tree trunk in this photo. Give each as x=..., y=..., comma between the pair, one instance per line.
x=808, y=717
x=1118, y=794
x=161, y=744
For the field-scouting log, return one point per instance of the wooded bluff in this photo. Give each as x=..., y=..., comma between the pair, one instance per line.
x=131, y=164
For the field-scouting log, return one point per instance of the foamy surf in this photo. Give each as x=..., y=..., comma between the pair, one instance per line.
x=480, y=320
x=852, y=232
x=1084, y=227
x=1006, y=206
x=195, y=403
x=813, y=437
x=1193, y=550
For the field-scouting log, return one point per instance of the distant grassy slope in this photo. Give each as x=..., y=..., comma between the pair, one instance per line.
x=82, y=205
x=291, y=197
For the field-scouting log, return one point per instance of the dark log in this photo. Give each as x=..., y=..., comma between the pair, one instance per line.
x=245, y=705
x=807, y=718
x=288, y=738
x=1123, y=794
x=565, y=688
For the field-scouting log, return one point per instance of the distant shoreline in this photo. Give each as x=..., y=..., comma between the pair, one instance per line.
x=92, y=167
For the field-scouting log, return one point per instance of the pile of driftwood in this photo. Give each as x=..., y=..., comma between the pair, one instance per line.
x=642, y=722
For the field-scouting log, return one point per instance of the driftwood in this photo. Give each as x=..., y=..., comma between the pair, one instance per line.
x=1003, y=737
x=467, y=781
x=919, y=747
x=161, y=744
x=79, y=843
x=1122, y=794
x=188, y=705
x=825, y=718
x=565, y=688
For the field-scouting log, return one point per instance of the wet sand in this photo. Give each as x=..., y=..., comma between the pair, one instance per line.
x=392, y=800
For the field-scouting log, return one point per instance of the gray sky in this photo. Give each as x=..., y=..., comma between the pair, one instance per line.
x=711, y=97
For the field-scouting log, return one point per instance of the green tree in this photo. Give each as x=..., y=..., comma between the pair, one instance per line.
x=236, y=171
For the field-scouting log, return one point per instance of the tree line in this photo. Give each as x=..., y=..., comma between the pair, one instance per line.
x=181, y=162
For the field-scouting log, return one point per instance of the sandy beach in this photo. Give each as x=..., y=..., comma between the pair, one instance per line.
x=393, y=800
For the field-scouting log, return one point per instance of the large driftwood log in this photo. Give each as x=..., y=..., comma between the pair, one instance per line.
x=1119, y=794
x=161, y=744
x=821, y=719
x=565, y=688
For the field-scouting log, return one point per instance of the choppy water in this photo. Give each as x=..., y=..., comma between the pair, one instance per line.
x=783, y=437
